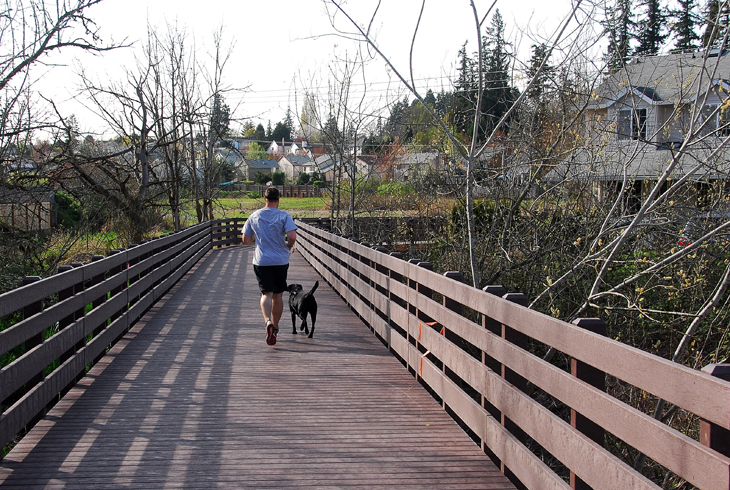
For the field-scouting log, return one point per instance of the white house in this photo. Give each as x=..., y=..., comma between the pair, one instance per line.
x=293, y=165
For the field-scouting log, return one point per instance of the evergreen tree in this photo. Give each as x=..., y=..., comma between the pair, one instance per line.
x=685, y=25
x=260, y=134
x=460, y=107
x=220, y=118
x=269, y=131
x=716, y=22
x=289, y=121
x=650, y=33
x=281, y=132
x=248, y=129
x=539, y=52
x=430, y=99
x=498, y=95
x=619, y=28
x=393, y=125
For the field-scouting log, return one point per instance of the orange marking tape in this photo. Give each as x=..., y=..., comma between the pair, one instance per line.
x=420, y=363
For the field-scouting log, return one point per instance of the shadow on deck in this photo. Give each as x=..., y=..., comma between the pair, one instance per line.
x=192, y=397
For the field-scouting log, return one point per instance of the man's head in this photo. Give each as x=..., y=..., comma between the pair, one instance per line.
x=271, y=194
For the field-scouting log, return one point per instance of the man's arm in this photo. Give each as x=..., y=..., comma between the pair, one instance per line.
x=248, y=239
x=291, y=239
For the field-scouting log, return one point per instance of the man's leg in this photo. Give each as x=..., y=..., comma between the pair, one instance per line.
x=266, y=306
x=277, y=308
x=272, y=307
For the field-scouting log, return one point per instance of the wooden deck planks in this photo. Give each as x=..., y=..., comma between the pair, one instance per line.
x=193, y=397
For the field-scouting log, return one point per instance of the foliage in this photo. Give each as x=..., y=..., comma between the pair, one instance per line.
x=651, y=35
x=70, y=210
x=685, y=26
x=262, y=178
x=256, y=151
x=278, y=178
x=282, y=131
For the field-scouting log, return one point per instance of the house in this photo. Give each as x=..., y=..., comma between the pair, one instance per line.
x=332, y=166
x=326, y=165
x=639, y=117
x=263, y=165
x=234, y=158
x=277, y=149
x=366, y=164
x=293, y=165
x=410, y=163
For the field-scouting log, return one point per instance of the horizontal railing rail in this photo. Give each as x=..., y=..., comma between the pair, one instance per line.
x=63, y=324
x=227, y=231
x=470, y=348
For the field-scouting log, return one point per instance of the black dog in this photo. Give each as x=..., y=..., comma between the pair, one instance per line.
x=301, y=303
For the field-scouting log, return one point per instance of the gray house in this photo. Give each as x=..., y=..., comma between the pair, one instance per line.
x=661, y=114
x=263, y=165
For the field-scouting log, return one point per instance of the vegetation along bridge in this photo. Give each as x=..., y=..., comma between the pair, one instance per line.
x=148, y=369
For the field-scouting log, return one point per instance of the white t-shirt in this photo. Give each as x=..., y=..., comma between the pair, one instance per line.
x=269, y=226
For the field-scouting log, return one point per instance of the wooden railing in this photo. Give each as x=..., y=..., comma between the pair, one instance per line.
x=63, y=324
x=470, y=348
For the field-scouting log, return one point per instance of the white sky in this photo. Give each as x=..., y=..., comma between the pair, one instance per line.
x=278, y=43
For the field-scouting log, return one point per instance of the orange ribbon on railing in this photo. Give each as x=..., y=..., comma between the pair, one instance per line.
x=420, y=326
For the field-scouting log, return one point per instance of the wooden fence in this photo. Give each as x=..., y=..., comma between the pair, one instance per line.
x=63, y=324
x=285, y=190
x=469, y=347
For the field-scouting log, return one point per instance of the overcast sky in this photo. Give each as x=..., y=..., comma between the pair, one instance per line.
x=279, y=45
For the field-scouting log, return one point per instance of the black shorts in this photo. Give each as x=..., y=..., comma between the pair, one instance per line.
x=272, y=278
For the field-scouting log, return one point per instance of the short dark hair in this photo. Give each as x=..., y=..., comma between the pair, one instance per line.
x=271, y=194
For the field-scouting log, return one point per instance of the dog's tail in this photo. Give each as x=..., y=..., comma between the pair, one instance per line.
x=314, y=288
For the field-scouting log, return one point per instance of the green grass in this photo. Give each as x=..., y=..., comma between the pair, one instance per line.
x=298, y=207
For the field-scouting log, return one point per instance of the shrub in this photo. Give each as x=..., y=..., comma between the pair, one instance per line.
x=70, y=210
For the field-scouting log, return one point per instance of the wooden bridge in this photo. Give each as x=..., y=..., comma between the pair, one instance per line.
x=148, y=369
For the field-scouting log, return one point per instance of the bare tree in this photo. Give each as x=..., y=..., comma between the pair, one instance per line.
x=30, y=32
x=473, y=150
x=341, y=119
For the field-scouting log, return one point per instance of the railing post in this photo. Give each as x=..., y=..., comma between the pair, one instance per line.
x=712, y=435
x=413, y=285
x=33, y=342
x=496, y=328
x=517, y=338
x=424, y=291
x=458, y=308
x=520, y=340
x=65, y=294
x=36, y=340
x=596, y=378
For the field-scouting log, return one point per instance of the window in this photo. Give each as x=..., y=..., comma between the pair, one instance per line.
x=724, y=122
x=632, y=124
x=708, y=119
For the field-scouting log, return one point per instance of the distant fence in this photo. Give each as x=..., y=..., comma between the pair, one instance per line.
x=399, y=233
x=470, y=348
x=285, y=190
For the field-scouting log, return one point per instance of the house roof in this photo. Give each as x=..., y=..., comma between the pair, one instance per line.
x=298, y=160
x=262, y=163
x=417, y=158
x=646, y=162
x=666, y=79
